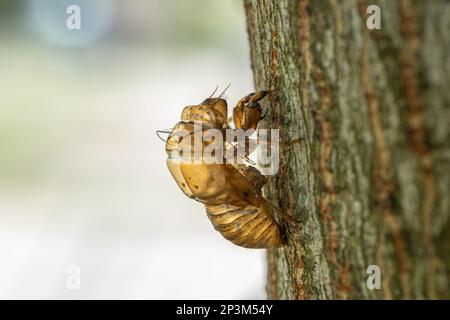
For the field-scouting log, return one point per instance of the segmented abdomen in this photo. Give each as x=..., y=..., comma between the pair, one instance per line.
x=250, y=226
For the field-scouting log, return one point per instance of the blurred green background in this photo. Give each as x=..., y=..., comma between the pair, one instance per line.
x=83, y=179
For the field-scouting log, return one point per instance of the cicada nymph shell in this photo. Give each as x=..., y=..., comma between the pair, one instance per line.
x=231, y=192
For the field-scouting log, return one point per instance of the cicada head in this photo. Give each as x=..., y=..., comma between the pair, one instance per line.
x=212, y=112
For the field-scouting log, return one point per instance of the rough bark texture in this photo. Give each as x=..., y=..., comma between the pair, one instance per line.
x=364, y=118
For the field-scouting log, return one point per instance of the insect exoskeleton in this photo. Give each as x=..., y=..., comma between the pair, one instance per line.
x=231, y=192
x=247, y=113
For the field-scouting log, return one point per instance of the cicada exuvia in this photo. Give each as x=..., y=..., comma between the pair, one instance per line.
x=230, y=191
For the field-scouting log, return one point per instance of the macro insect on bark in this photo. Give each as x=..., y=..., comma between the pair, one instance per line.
x=231, y=192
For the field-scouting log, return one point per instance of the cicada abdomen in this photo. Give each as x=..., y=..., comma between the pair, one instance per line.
x=231, y=193
x=249, y=226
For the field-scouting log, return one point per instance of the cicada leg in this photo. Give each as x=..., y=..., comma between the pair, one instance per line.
x=247, y=113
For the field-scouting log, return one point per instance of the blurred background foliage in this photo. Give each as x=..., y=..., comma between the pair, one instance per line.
x=83, y=178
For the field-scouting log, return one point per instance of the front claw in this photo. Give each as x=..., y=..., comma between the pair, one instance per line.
x=247, y=112
x=259, y=95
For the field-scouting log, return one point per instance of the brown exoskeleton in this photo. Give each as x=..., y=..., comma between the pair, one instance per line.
x=231, y=193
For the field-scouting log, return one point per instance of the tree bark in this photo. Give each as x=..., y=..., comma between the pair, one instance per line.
x=364, y=119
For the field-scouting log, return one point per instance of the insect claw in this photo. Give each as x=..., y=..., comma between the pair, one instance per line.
x=258, y=96
x=264, y=115
x=249, y=97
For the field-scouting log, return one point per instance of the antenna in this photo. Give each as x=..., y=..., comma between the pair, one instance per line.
x=220, y=96
x=217, y=87
x=162, y=131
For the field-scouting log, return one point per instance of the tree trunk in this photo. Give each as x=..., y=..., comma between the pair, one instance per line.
x=364, y=119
